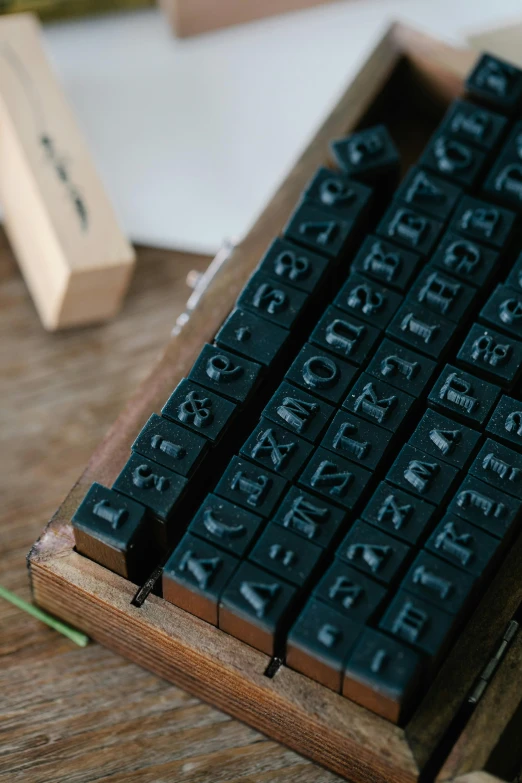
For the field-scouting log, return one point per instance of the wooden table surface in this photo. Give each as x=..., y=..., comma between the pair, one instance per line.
x=66, y=713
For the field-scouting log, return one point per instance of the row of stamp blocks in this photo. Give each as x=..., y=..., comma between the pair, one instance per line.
x=366, y=508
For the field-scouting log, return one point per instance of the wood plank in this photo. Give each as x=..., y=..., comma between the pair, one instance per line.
x=75, y=259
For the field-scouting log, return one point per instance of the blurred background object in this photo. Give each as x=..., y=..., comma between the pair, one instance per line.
x=504, y=41
x=191, y=17
x=57, y=9
x=192, y=136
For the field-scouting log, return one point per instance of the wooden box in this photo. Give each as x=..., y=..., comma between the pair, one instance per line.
x=407, y=83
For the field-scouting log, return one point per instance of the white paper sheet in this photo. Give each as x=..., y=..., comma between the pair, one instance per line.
x=192, y=137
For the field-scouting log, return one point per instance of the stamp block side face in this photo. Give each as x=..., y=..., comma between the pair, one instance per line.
x=255, y=607
x=319, y=643
x=382, y=674
x=195, y=576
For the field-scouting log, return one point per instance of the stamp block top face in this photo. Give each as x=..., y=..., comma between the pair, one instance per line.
x=445, y=439
x=368, y=154
x=170, y=445
x=201, y=569
x=386, y=263
x=423, y=191
x=497, y=83
x=320, y=373
x=225, y=373
x=500, y=467
x=322, y=637
x=466, y=396
x=483, y=221
x=374, y=552
x=334, y=478
x=503, y=181
x=439, y=583
x=402, y=367
x=465, y=259
x=275, y=448
x=293, y=265
x=462, y=544
x=410, y=228
x=199, y=409
x=503, y=311
x=252, y=337
x=272, y=299
x=453, y=158
x=110, y=517
x=422, y=474
x=378, y=402
x=350, y=592
x=367, y=300
x=491, y=354
x=442, y=294
x=420, y=329
x=334, y=191
x=228, y=526
x=348, y=337
x=486, y=507
x=259, y=599
x=418, y=623
x=309, y=516
x=251, y=486
x=474, y=124
x=320, y=230
x=506, y=422
x=151, y=484
x=286, y=555
x=357, y=440
x=397, y=512
x=384, y=666
x=299, y=412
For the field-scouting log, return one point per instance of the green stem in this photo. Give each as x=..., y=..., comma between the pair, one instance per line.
x=75, y=636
